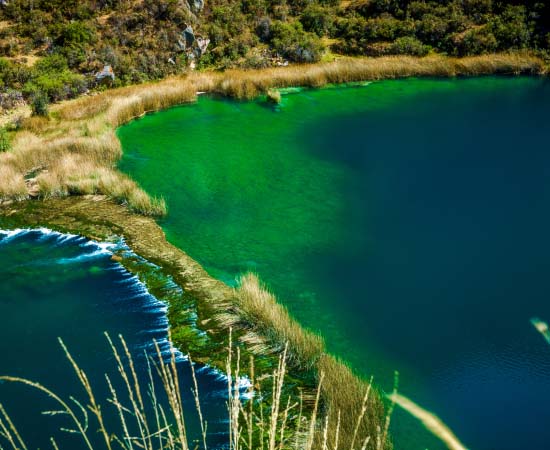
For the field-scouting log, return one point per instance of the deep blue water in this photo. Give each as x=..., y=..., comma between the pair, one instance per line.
x=54, y=285
x=448, y=208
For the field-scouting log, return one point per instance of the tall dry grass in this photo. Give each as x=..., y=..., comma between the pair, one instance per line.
x=78, y=147
x=245, y=84
x=151, y=414
x=150, y=419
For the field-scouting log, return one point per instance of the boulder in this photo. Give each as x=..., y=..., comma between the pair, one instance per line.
x=188, y=36
x=202, y=45
x=197, y=5
x=105, y=75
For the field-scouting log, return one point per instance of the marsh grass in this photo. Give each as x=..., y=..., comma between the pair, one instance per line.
x=78, y=147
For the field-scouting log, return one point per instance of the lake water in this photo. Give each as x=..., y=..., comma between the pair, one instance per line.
x=407, y=221
x=54, y=285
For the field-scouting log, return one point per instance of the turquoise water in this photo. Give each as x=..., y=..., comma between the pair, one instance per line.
x=55, y=285
x=407, y=221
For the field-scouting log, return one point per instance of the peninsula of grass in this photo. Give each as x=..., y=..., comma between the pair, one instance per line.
x=61, y=172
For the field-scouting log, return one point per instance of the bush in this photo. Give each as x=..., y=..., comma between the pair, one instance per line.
x=409, y=46
x=478, y=9
x=387, y=28
x=52, y=77
x=476, y=42
x=432, y=29
x=51, y=64
x=292, y=42
x=511, y=28
x=5, y=144
x=39, y=104
x=59, y=86
x=318, y=20
x=12, y=74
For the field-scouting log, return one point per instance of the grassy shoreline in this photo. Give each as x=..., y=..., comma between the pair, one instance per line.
x=69, y=161
x=75, y=150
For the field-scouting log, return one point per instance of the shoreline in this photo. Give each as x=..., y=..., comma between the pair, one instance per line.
x=75, y=150
x=69, y=162
x=99, y=219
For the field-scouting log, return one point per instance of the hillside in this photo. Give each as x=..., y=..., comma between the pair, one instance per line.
x=51, y=50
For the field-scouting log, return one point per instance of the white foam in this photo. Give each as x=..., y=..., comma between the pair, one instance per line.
x=9, y=235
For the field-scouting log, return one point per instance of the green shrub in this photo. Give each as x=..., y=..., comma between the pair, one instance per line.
x=52, y=77
x=317, y=19
x=5, y=143
x=59, y=86
x=51, y=64
x=432, y=29
x=476, y=42
x=292, y=42
x=478, y=9
x=409, y=46
x=13, y=74
x=511, y=28
x=39, y=104
x=74, y=33
x=387, y=28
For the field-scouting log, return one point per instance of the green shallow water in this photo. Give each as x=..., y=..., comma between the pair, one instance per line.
x=404, y=220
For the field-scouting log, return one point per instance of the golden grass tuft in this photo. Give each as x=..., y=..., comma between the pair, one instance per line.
x=274, y=96
x=267, y=325
x=353, y=403
x=13, y=183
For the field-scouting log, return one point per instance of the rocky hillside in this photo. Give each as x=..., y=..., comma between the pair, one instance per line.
x=53, y=49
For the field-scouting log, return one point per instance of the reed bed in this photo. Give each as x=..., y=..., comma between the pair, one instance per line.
x=78, y=147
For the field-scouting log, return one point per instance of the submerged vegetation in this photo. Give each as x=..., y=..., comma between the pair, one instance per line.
x=74, y=151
